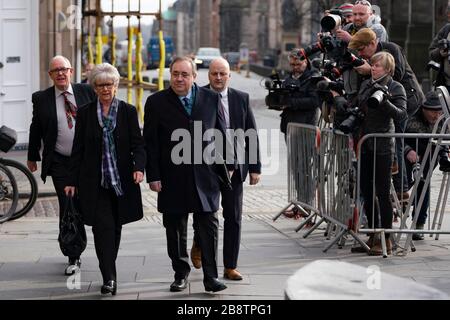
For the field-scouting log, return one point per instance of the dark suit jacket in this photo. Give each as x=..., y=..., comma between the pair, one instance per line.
x=85, y=162
x=185, y=187
x=241, y=117
x=44, y=125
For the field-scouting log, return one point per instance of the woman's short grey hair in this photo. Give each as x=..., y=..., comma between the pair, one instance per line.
x=386, y=60
x=104, y=72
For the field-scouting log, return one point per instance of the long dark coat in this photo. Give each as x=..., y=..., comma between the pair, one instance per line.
x=185, y=187
x=85, y=162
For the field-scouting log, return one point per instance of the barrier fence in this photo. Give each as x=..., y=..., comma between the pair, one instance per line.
x=324, y=176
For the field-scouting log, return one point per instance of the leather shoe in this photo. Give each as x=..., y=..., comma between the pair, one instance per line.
x=109, y=287
x=213, y=285
x=196, y=255
x=232, y=274
x=179, y=285
x=73, y=267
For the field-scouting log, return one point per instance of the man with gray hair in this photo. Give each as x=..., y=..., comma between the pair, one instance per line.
x=53, y=123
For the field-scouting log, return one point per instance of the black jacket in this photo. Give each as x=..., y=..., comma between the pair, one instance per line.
x=381, y=119
x=44, y=124
x=186, y=187
x=241, y=117
x=85, y=162
x=405, y=75
x=443, y=77
x=304, y=104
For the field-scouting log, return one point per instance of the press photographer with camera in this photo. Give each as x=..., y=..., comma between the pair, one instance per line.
x=300, y=103
x=363, y=17
x=439, y=56
x=381, y=101
x=366, y=44
x=423, y=122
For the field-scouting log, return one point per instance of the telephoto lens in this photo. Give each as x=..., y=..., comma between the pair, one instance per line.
x=376, y=99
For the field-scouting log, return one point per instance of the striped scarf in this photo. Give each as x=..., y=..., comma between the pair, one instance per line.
x=110, y=173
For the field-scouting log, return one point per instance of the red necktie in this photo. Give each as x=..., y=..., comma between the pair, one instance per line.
x=71, y=110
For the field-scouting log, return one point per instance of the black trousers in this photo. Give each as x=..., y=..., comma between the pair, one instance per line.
x=207, y=225
x=107, y=231
x=58, y=171
x=232, y=215
x=382, y=167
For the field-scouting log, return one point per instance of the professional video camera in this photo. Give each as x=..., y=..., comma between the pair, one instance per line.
x=278, y=97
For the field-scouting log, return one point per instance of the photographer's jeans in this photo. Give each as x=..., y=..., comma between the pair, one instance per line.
x=400, y=179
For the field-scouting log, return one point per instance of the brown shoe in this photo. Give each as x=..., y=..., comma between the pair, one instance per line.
x=403, y=196
x=394, y=168
x=196, y=255
x=377, y=250
x=232, y=274
x=361, y=249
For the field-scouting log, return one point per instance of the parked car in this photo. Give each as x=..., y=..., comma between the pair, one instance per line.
x=205, y=55
x=233, y=59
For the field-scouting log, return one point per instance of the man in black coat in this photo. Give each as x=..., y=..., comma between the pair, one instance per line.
x=303, y=105
x=175, y=123
x=53, y=123
x=235, y=109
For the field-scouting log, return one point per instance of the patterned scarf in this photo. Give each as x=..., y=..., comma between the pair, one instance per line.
x=110, y=173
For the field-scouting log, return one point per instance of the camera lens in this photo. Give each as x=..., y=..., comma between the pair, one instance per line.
x=330, y=22
x=375, y=100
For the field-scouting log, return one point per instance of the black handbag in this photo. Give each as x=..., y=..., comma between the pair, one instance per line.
x=8, y=138
x=72, y=234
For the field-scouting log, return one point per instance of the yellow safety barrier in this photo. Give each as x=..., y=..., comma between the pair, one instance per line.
x=90, y=53
x=162, y=61
x=99, y=46
x=113, y=49
x=139, y=63
x=130, y=63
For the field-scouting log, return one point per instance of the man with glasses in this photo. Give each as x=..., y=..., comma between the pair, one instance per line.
x=363, y=17
x=175, y=120
x=53, y=123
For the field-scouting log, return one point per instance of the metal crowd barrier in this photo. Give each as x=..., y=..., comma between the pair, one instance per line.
x=324, y=181
x=303, y=168
x=415, y=199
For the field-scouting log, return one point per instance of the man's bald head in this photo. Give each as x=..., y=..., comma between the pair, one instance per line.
x=219, y=74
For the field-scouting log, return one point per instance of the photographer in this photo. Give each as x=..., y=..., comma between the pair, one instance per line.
x=363, y=17
x=382, y=100
x=302, y=106
x=440, y=56
x=367, y=44
x=423, y=122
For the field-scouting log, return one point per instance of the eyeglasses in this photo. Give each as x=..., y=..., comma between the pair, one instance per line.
x=108, y=86
x=58, y=70
x=184, y=75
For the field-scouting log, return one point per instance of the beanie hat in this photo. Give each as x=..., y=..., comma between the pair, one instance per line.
x=346, y=8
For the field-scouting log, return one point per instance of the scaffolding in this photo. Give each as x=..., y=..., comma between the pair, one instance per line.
x=92, y=9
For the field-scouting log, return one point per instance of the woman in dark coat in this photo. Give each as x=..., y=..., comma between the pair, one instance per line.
x=106, y=166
